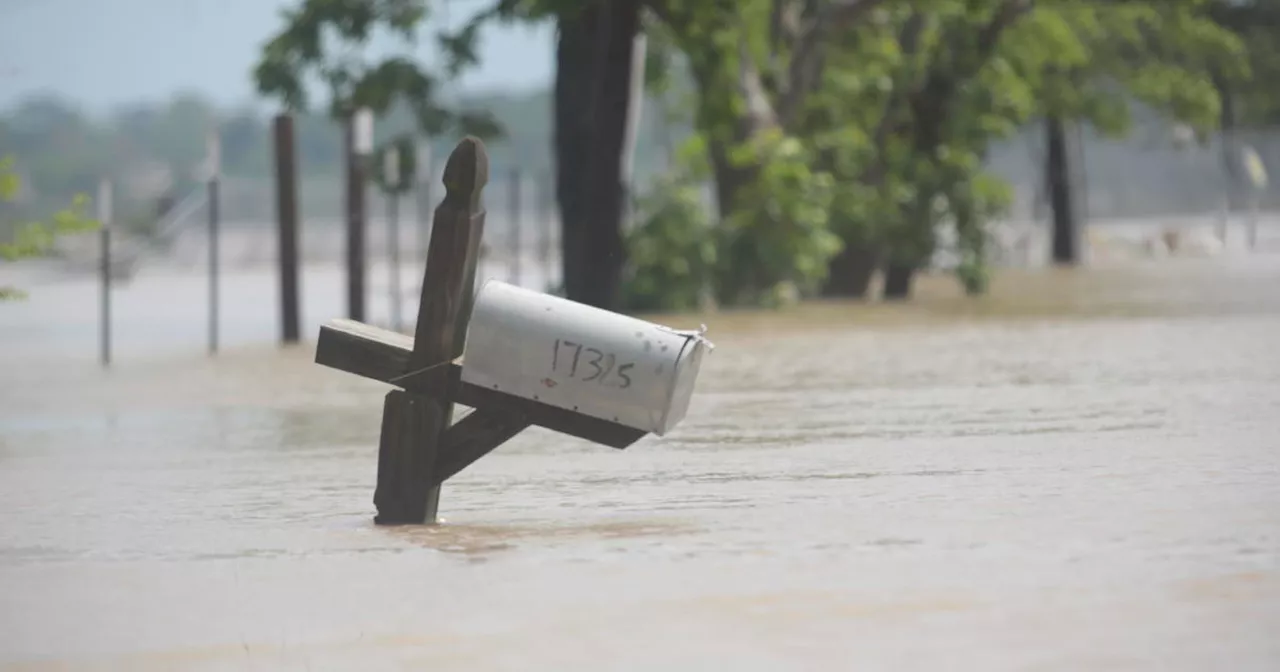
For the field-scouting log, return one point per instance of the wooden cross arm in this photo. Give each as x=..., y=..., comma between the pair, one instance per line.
x=383, y=355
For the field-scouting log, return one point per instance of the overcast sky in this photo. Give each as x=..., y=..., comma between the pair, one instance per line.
x=102, y=53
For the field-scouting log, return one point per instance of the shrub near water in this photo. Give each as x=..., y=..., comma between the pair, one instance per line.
x=772, y=249
x=672, y=251
x=33, y=239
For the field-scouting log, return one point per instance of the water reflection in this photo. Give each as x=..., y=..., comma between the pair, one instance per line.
x=478, y=543
x=1079, y=455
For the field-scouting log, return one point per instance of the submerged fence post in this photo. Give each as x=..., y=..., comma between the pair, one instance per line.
x=1252, y=241
x=287, y=227
x=358, y=144
x=215, y=169
x=391, y=176
x=546, y=224
x=104, y=219
x=1256, y=171
x=425, y=173
x=513, y=225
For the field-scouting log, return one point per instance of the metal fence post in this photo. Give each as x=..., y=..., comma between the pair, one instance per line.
x=513, y=225
x=393, y=254
x=287, y=227
x=214, y=185
x=104, y=219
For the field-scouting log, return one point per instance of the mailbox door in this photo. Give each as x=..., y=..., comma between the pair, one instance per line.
x=576, y=357
x=687, y=366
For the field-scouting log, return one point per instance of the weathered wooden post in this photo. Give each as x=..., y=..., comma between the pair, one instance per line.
x=414, y=423
x=535, y=359
x=358, y=144
x=287, y=225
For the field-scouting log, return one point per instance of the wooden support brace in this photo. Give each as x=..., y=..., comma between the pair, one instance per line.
x=472, y=437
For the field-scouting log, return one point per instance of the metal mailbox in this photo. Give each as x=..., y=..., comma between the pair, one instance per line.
x=581, y=358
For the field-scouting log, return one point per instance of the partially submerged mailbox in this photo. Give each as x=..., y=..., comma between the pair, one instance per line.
x=528, y=359
x=580, y=358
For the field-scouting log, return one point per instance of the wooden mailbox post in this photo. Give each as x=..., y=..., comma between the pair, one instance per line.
x=421, y=446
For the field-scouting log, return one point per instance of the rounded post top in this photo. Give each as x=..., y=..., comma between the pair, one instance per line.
x=466, y=172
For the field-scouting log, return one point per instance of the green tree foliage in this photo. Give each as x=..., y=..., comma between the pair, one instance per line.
x=1257, y=24
x=771, y=251
x=754, y=65
x=903, y=102
x=673, y=255
x=1081, y=58
x=862, y=91
x=776, y=239
x=34, y=238
x=323, y=39
x=829, y=128
x=950, y=99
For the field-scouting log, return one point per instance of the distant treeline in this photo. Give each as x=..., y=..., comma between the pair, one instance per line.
x=147, y=148
x=152, y=148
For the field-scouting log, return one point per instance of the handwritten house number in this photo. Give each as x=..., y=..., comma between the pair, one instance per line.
x=598, y=364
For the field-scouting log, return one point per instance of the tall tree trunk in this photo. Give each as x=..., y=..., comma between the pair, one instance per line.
x=1065, y=245
x=849, y=273
x=594, y=54
x=897, y=281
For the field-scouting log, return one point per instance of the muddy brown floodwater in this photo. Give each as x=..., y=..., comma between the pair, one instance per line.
x=1079, y=472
